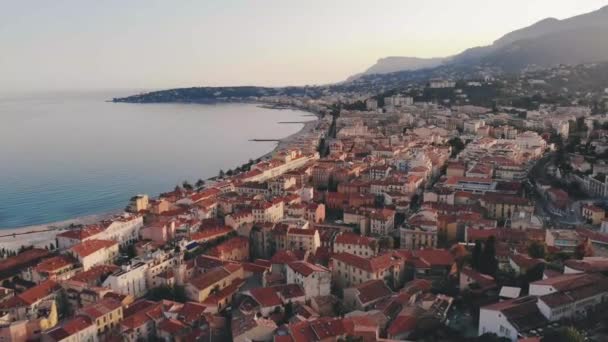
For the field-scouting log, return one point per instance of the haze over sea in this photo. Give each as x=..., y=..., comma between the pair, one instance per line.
x=65, y=155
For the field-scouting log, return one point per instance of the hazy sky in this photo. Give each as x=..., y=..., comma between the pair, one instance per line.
x=109, y=44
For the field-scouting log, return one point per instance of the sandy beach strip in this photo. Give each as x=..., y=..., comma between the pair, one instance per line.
x=42, y=235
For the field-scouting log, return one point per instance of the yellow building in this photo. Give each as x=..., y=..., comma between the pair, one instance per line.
x=215, y=280
x=593, y=214
x=107, y=314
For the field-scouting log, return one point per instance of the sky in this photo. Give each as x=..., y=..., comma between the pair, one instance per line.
x=150, y=44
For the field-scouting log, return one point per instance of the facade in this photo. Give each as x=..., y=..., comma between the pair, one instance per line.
x=303, y=239
x=130, y=280
x=124, y=229
x=95, y=252
x=314, y=279
x=351, y=270
x=106, y=314
x=382, y=222
x=362, y=246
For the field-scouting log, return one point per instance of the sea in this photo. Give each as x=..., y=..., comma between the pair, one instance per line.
x=70, y=154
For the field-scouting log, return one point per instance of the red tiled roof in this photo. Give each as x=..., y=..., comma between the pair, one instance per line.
x=52, y=264
x=374, y=264
x=266, y=296
x=172, y=326
x=299, y=231
x=191, y=312
x=283, y=257
x=372, y=290
x=101, y=308
x=81, y=234
x=401, y=324
x=305, y=268
x=89, y=247
x=435, y=257
x=39, y=291
x=94, y=273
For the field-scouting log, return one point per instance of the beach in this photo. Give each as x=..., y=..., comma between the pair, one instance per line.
x=42, y=235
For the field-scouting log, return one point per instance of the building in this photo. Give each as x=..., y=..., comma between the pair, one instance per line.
x=352, y=270
x=219, y=280
x=130, y=280
x=362, y=246
x=365, y=295
x=562, y=239
x=139, y=203
x=382, y=222
x=593, y=214
x=511, y=318
x=234, y=249
x=570, y=295
x=79, y=328
x=106, y=314
x=95, y=252
x=471, y=279
x=124, y=229
x=303, y=239
x=314, y=279
x=73, y=237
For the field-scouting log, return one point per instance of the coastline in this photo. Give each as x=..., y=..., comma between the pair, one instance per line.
x=42, y=235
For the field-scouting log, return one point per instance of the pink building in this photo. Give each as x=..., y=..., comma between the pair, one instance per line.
x=159, y=231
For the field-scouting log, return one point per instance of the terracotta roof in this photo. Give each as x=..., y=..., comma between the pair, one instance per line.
x=191, y=312
x=374, y=264
x=39, y=291
x=210, y=233
x=70, y=327
x=213, y=276
x=299, y=231
x=401, y=324
x=483, y=280
x=283, y=257
x=305, y=268
x=81, y=234
x=172, y=326
x=266, y=296
x=89, y=247
x=55, y=263
x=101, y=308
x=434, y=257
x=525, y=261
x=373, y=290
x=95, y=273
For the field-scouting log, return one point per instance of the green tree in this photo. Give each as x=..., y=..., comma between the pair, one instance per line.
x=200, y=183
x=221, y=174
x=537, y=250
x=489, y=263
x=457, y=146
x=564, y=334
x=187, y=185
x=64, y=308
x=476, y=255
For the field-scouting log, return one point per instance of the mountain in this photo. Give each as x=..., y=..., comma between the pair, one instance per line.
x=575, y=40
x=391, y=64
x=388, y=65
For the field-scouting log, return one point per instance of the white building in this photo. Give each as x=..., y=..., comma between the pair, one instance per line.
x=130, y=280
x=511, y=318
x=124, y=229
x=362, y=246
x=95, y=252
x=315, y=279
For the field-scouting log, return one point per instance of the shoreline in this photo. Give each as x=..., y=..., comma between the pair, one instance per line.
x=41, y=235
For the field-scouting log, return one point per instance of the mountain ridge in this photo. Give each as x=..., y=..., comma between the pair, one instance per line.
x=553, y=35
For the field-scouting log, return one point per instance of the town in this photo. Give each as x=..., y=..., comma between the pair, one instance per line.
x=439, y=209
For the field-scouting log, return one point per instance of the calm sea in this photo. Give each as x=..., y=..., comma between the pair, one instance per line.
x=69, y=155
